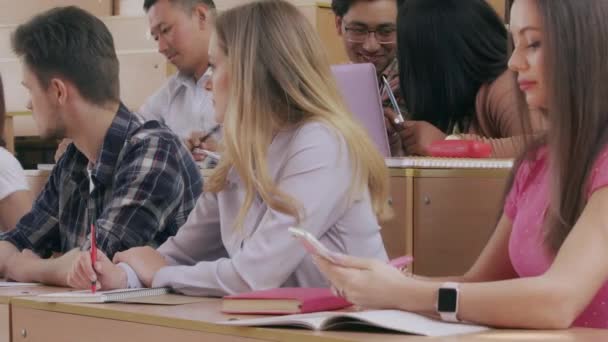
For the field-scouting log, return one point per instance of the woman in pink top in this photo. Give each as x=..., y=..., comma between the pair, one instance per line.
x=545, y=266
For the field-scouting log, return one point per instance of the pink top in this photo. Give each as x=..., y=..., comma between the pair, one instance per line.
x=526, y=206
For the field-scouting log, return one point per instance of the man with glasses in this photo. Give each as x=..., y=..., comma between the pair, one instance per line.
x=369, y=31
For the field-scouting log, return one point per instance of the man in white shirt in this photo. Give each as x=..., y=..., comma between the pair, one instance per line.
x=182, y=29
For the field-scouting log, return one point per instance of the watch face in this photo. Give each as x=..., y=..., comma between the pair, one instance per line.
x=447, y=300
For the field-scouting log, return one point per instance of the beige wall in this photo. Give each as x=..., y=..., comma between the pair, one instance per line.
x=224, y=4
x=17, y=11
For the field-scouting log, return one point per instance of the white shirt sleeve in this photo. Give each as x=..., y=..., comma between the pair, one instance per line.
x=12, y=176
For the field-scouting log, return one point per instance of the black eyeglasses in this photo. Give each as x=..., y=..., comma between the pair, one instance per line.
x=384, y=35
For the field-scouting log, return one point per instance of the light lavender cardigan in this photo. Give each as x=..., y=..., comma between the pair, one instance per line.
x=209, y=257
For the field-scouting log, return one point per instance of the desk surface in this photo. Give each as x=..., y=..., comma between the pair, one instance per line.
x=8, y=293
x=200, y=317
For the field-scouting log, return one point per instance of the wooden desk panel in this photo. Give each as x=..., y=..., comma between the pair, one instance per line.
x=37, y=325
x=453, y=220
x=5, y=323
x=442, y=217
x=37, y=179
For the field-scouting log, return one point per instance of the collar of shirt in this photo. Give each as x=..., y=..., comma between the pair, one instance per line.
x=187, y=80
x=391, y=71
x=113, y=144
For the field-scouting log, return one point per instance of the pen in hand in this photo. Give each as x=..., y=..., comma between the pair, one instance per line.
x=93, y=256
x=211, y=132
x=399, y=120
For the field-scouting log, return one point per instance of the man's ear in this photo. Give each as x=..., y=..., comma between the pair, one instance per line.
x=58, y=89
x=339, y=25
x=203, y=15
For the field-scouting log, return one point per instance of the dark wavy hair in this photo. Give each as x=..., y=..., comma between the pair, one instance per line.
x=185, y=4
x=448, y=49
x=341, y=7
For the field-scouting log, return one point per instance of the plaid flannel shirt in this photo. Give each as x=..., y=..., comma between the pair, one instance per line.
x=145, y=185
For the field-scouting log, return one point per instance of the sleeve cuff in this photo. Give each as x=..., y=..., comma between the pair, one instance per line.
x=132, y=279
x=163, y=277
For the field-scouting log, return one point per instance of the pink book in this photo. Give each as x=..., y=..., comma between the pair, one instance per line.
x=283, y=301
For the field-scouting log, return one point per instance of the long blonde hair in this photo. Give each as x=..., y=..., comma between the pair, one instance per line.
x=280, y=78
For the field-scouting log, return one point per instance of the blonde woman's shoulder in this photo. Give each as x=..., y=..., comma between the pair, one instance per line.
x=320, y=133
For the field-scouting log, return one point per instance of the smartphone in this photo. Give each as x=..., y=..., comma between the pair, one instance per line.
x=311, y=244
x=315, y=247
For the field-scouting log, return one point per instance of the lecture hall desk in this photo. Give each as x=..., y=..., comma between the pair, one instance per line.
x=443, y=217
x=8, y=293
x=36, y=321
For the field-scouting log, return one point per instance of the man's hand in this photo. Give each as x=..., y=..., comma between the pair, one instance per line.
x=29, y=267
x=107, y=275
x=23, y=266
x=7, y=250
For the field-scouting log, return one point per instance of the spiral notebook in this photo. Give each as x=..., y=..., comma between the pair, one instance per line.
x=86, y=296
x=449, y=163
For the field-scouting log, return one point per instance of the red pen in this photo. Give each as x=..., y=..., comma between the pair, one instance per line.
x=93, y=256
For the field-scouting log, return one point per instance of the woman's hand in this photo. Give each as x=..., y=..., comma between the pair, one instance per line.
x=145, y=261
x=417, y=137
x=366, y=282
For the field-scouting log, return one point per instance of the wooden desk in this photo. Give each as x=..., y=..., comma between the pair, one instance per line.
x=9, y=133
x=36, y=321
x=37, y=179
x=443, y=217
x=8, y=293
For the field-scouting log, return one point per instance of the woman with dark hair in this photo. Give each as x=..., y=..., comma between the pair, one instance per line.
x=15, y=197
x=545, y=266
x=454, y=80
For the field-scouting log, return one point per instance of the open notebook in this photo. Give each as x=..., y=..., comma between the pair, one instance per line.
x=86, y=296
x=395, y=320
x=450, y=163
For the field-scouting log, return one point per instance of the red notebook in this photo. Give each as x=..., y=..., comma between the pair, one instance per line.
x=460, y=149
x=283, y=301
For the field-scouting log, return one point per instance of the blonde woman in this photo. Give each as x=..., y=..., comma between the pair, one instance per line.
x=292, y=156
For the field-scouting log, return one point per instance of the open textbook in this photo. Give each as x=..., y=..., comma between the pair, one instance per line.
x=400, y=321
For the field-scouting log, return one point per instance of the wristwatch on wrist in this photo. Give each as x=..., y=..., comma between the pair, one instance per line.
x=447, y=302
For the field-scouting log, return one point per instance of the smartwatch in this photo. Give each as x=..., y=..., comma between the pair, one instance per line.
x=447, y=302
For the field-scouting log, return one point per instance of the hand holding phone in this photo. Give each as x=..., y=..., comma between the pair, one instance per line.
x=315, y=247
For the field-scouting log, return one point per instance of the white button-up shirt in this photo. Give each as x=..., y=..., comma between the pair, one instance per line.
x=182, y=104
